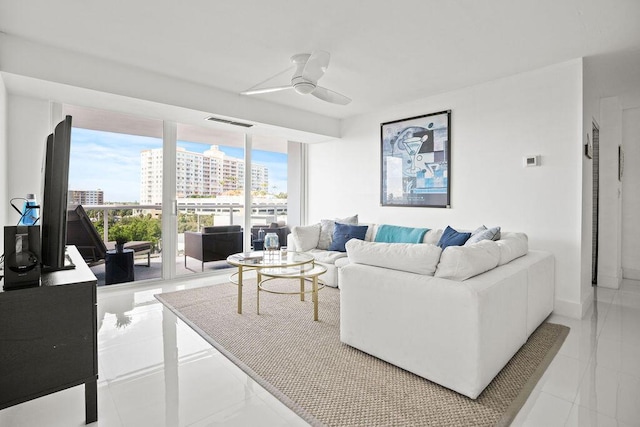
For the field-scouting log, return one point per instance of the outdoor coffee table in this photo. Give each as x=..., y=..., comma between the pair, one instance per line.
x=248, y=261
x=304, y=272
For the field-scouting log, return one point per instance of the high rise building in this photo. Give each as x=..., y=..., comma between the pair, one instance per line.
x=86, y=197
x=203, y=174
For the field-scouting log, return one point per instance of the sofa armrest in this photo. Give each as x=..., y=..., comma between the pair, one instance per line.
x=400, y=317
x=291, y=244
x=193, y=245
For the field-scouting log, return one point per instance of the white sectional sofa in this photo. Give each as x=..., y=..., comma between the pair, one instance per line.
x=453, y=316
x=455, y=321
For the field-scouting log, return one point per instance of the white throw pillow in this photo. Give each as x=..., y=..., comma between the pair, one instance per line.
x=463, y=262
x=326, y=229
x=512, y=246
x=305, y=237
x=432, y=236
x=419, y=258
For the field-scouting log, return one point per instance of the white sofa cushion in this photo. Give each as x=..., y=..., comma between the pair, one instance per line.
x=414, y=258
x=512, y=245
x=305, y=237
x=326, y=257
x=463, y=262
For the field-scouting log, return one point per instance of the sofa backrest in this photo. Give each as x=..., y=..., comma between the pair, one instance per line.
x=411, y=257
x=221, y=229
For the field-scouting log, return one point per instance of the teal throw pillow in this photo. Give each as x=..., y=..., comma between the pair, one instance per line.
x=451, y=237
x=398, y=234
x=342, y=233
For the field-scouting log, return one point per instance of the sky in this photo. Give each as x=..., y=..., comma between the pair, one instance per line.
x=111, y=162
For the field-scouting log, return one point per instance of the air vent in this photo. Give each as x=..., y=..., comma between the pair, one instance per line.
x=229, y=122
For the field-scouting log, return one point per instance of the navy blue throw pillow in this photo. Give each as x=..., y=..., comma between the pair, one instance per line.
x=342, y=233
x=451, y=237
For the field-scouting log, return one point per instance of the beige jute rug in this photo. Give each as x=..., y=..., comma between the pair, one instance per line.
x=304, y=364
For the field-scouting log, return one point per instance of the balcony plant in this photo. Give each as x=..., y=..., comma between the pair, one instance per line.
x=119, y=235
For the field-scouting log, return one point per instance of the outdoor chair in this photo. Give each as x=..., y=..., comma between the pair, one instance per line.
x=83, y=235
x=213, y=244
x=280, y=228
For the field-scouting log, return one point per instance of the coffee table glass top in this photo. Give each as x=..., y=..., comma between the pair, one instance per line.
x=298, y=272
x=265, y=259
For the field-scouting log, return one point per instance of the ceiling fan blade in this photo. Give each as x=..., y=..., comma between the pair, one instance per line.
x=316, y=65
x=330, y=96
x=266, y=90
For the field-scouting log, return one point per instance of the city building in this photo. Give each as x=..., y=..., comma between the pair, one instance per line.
x=86, y=197
x=210, y=173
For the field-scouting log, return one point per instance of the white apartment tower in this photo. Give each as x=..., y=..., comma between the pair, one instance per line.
x=205, y=174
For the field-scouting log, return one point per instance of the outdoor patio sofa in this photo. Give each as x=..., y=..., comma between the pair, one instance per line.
x=213, y=244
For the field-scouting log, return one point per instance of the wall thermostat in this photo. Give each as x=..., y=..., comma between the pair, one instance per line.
x=531, y=161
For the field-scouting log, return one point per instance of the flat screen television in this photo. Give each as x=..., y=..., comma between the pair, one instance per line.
x=54, y=199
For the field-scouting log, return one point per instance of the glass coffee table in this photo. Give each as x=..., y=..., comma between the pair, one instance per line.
x=259, y=260
x=309, y=271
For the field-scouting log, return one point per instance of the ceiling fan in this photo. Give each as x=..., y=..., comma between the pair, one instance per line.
x=309, y=69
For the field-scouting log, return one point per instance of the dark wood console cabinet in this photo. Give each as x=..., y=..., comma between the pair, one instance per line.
x=48, y=337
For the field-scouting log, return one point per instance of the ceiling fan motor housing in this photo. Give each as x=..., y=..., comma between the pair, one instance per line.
x=302, y=86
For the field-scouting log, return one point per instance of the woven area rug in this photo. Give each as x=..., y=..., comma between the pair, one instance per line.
x=304, y=364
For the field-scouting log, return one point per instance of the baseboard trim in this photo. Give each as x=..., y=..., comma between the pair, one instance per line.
x=631, y=273
x=609, y=281
x=571, y=309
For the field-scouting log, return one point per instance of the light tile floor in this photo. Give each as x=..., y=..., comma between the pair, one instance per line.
x=155, y=371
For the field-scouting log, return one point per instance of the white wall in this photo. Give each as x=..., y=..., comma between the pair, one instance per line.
x=631, y=195
x=610, y=222
x=29, y=124
x=494, y=125
x=4, y=200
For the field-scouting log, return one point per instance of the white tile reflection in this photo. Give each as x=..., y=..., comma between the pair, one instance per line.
x=155, y=370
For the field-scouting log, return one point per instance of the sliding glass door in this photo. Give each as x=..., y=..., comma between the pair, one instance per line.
x=159, y=183
x=115, y=193
x=210, y=169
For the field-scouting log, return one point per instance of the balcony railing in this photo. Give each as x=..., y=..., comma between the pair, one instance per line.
x=223, y=213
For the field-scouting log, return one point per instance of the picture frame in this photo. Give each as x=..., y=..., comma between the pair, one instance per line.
x=415, y=161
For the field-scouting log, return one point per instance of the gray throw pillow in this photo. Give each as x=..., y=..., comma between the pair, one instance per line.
x=483, y=233
x=327, y=226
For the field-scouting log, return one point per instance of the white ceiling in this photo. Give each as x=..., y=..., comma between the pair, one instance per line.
x=382, y=53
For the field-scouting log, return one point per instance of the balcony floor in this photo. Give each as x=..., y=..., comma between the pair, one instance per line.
x=154, y=271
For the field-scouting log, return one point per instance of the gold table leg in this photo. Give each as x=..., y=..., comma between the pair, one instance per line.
x=301, y=289
x=239, y=289
x=315, y=297
x=258, y=278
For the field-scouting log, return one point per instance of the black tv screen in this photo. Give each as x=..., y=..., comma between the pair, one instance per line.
x=54, y=198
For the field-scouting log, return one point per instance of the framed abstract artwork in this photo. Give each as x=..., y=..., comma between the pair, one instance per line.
x=415, y=161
